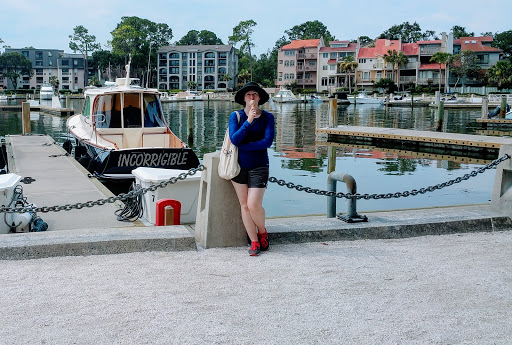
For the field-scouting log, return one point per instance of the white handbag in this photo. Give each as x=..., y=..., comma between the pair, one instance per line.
x=228, y=163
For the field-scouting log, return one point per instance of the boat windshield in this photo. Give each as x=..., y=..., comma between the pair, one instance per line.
x=107, y=111
x=152, y=111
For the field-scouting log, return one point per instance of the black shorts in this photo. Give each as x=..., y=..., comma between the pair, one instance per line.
x=254, y=178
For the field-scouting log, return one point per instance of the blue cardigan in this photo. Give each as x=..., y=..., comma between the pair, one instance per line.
x=252, y=139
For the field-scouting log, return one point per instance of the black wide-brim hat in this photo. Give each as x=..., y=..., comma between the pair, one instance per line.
x=251, y=86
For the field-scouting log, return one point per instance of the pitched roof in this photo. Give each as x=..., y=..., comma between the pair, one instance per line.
x=410, y=48
x=301, y=44
x=351, y=47
x=382, y=46
x=475, y=44
x=366, y=52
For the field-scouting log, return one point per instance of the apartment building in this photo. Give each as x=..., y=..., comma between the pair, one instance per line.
x=209, y=66
x=329, y=75
x=298, y=62
x=68, y=68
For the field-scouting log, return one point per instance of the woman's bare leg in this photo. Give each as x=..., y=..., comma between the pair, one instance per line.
x=255, y=206
x=242, y=192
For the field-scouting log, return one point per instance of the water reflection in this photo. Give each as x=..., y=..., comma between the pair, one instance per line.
x=296, y=156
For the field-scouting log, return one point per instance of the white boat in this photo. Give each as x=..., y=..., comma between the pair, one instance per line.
x=121, y=128
x=3, y=98
x=46, y=92
x=364, y=98
x=285, y=96
x=311, y=99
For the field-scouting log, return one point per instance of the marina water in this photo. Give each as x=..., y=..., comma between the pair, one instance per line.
x=299, y=157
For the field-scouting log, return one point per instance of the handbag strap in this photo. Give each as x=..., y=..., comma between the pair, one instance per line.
x=238, y=117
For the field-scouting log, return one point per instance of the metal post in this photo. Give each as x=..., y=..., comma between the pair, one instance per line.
x=351, y=215
x=25, y=117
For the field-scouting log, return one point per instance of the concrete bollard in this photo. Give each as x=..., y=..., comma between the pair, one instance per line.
x=501, y=199
x=219, y=221
x=25, y=118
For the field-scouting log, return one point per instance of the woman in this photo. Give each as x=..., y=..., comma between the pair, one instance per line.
x=253, y=135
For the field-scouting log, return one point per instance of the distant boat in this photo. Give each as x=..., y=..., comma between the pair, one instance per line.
x=3, y=98
x=311, y=98
x=364, y=98
x=121, y=128
x=46, y=92
x=285, y=96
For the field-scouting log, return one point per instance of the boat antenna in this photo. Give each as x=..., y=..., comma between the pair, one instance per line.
x=127, y=79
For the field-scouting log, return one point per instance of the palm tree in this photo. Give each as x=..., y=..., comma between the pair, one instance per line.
x=395, y=59
x=348, y=65
x=442, y=58
x=244, y=75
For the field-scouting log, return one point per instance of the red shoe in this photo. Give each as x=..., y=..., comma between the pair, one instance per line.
x=263, y=238
x=255, y=248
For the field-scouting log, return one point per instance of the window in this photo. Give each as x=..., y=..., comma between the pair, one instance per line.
x=65, y=62
x=75, y=62
x=332, y=67
x=324, y=81
x=292, y=62
x=362, y=60
x=286, y=76
x=174, y=56
x=209, y=55
x=209, y=70
x=331, y=81
x=292, y=76
x=287, y=63
x=39, y=55
x=280, y=62
x=333, y=55
x=325, y=55
x=366, y=76
x=25, y=53
x=184, y=56
x=174, y=63
x=483, y=59
x=311, y=63
x=324, y=68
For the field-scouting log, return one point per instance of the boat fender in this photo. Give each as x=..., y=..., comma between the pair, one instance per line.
x=68, y=146
x=80, y=151
x=21, y=222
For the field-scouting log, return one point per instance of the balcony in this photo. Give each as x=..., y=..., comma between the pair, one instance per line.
x=429, y=50
x=426, y=81
x=409, y=65
x=408, y=79
x=306, y=82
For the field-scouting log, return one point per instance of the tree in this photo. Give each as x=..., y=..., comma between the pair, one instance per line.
x=54, y=81
x=242, y=33
x=192, y=85
x=208, y=38
x=407, y=32
x=105, y=61
x=500, y=74
x=365, y=41
x=84, y=43
x=348, y=65
x=265, y=69
x=395, y=59
x=190, y=39
x=244, y=75
x=310, y=30
x=386, y=84
x=15, y=66
x=442, y=58
x=503, y=41
x=464, y=65
x=140, y=39
x=460, y=31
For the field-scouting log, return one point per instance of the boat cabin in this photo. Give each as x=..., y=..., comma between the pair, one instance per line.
x=129, y=119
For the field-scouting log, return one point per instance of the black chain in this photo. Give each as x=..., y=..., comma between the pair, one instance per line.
x=358, y=196
x=121, y=197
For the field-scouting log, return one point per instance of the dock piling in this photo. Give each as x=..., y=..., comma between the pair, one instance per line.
x=440, y=116
x=190, y=124
x=333, y=112
x=503, y=108
x=485, y=107
x=25, y=118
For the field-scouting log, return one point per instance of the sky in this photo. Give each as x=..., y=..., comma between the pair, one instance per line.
x=48, y=24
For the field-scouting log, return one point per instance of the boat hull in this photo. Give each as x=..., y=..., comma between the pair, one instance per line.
x=118, y=164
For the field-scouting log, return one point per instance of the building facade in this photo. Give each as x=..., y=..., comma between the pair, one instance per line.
x=68, y=68
x=209, y=67
x=297, y=63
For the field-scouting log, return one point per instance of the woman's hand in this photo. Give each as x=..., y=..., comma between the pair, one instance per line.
x=252, y=112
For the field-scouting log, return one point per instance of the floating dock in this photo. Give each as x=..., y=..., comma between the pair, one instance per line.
x=40, y=108
x=58, y=179
x=467, y=144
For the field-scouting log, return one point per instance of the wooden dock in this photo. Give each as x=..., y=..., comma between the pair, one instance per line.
x=58, y=179
x=40, y=108
x=420, y=141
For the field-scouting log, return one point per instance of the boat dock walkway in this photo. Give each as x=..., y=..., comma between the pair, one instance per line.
x=58, y=179
x=387, y=137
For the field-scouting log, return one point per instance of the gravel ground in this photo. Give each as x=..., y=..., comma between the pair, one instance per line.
x=451, y=289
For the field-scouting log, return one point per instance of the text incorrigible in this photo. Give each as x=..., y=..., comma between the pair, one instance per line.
x=152, y=159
